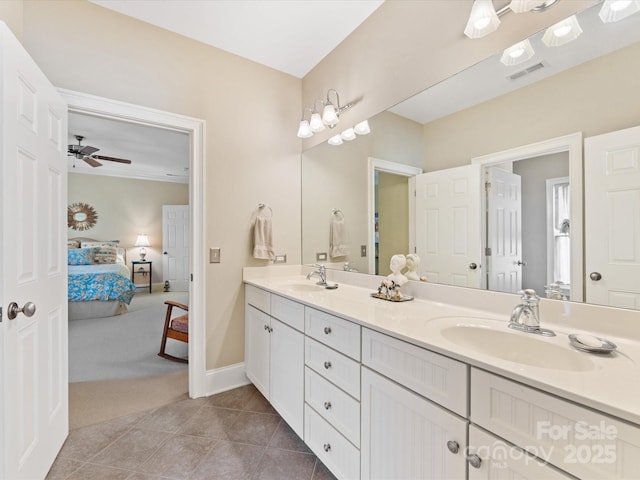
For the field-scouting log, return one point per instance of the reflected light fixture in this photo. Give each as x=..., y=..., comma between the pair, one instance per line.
x=349, y=134
x=484, y=17
x=142, y=241
x=518, y=53
x=335, y=140
x=616, y=10
x=362, y=128
x=562, y=32
x=331, y=110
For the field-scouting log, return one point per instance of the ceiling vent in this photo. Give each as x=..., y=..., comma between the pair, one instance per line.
x=526, y=71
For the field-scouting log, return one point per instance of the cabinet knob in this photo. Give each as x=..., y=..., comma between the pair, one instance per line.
x=474, y=460
x=266, y=327
x=327, y=330
x=327, y=365
x=326, y=447
x=453, y=446
x=327, y=405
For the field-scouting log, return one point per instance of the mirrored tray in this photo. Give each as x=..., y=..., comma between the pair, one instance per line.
x=401, y=298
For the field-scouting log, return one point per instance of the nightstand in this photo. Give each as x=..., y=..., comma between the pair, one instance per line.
x=138, y=268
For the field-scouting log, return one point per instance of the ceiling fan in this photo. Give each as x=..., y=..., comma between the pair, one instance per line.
x=87, y=153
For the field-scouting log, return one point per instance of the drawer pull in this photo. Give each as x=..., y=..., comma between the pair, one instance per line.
x=327, y=330
x=327, y=365
x=326, y=447
x=474, y=460
x=327, y=405
x=453, y=446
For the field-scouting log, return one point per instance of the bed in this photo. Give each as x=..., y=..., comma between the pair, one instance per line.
x=99, y=279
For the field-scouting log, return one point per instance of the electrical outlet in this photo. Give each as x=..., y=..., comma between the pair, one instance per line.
x=214, y=255
x=321, y=257
x=363, y=250
x=282, y=258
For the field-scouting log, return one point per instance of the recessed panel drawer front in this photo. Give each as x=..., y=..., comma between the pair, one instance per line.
x=334, y=405
x=261, y=299
x=288, y=311
x=338, y=369
x=581, y=441
x=434, y=376
x=335, y=451
x=336, y=332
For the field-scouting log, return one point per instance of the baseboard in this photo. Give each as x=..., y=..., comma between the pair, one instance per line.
x=225, y=378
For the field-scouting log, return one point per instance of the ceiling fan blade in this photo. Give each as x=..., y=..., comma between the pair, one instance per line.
x=91, y=161
x=112, y=159
x=87, y=150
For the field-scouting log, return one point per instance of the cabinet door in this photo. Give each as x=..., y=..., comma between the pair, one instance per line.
x=256, y=348
x=404, y=436
x=497, y=460
x=287, y=374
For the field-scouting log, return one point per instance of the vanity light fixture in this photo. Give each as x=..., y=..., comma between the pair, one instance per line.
x=616, y=10
x=562, y=32
x=316, y=124
x=484, y=18
x=304, y=130
x=331, y=111
x=349, y=134
x=362, y=128
x=335, y=140
x=518, y=53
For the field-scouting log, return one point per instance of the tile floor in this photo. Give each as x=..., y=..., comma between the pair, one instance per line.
x=233, y=435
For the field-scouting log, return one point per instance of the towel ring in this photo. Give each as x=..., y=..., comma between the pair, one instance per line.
x=261, y=207
x=337, y=211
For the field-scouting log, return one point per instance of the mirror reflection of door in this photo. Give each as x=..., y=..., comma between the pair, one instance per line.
x=392, y=219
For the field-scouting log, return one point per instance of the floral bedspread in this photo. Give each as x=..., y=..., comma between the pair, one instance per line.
x=100, y=282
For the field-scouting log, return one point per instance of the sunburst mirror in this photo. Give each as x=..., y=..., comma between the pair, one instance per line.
x=81, y=216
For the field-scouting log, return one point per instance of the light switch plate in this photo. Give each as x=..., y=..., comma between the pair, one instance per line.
x=321, y=257
x=282, y=258
x=363, y=250
x=214, y=255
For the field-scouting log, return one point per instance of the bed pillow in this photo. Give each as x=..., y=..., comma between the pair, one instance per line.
x=106, y=254
x=81, y=256
x=73, y=244
x=106, y=243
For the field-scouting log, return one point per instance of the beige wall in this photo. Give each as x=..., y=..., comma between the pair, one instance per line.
x=127, y=208
x=593, y=98
x=393, y=210
x=11, y=14
x=250, y=111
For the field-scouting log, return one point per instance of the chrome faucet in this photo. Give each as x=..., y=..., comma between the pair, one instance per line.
x=321, y=272
x=526, y=316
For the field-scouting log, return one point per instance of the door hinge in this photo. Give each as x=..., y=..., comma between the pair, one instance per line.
x=487, y=251
x=0, y=314
x=191, y=276
x=487, y=186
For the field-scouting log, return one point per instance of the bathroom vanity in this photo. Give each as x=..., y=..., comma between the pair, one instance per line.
x=428, y=389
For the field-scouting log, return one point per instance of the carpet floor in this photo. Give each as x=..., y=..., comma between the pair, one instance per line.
x=125, y=346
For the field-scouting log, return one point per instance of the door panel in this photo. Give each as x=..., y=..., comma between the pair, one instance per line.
x=175, y=244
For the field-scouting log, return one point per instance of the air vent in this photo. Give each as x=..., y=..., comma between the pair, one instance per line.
x=526, y=71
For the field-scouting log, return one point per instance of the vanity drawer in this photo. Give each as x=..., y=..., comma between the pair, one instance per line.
x=539, y=422
x=261, y=299
x=288, y=311
x=335, y=367
x=335, y=451
x=336, y=332
x=332, y=404
x=434, y=376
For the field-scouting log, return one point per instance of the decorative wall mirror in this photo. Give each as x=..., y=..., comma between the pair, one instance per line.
x=81, y=216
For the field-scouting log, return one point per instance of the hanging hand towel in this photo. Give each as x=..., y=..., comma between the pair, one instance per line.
x=263, y=239
x=338, y=238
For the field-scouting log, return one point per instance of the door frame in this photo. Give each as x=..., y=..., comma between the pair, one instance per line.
x=572, y=144
x=195, y=128
x=386, y=166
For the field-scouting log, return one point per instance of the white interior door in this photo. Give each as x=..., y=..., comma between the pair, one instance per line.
x=504, y=231
x=34, y=413
x=448, y=228
x=175, y=246
x=612, y=218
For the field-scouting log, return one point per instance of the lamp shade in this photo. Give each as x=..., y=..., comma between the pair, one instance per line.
x=562, y=32
x=518, y=53
x=142, y=241
x=615, y=10
x=329, y=115
x=362, y=128
x=483, y=19
x=315, y=123
x=348, y=134
x=335, y=140
x=304, y=131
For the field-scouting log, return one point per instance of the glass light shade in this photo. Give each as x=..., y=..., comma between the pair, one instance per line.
x=348, y=134
x=362, y=128
x=142, y=241
x=315, y=123
x=335, y=140
x=483, y=19
x=616, y=10
x=522, y=6
x=304, y=131
x=562, y=32
x=518, y=53
x=329, y=115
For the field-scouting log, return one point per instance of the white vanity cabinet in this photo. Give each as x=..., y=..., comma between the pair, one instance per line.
x=274, y=352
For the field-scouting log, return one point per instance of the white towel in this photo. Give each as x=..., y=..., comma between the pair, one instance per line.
x=263, y=239
x=338, y=238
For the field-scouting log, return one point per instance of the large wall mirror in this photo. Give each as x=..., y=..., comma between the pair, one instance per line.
x=486, y=132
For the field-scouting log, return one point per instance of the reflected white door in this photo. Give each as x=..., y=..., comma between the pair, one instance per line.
x=175, y=246
x=34, y=413
x=612, y=218
x=448, y=228
x=504, y=227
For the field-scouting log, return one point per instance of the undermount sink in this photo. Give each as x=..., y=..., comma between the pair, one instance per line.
x=302, y=287
x=518, y=347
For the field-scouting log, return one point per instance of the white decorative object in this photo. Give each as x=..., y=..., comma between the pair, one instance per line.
x=397, y=264
x=413, y=260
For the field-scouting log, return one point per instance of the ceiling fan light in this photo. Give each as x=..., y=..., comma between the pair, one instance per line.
x=483, y=19
x=518, y=53
x=330, y=115
x=616, y=10
x=562, y=32
x=335, y=140
x=316, y=124
x=362, y=128
x=348, y=135
x=304, y=131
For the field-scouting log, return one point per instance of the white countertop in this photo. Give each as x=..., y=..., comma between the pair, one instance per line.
x=611, y=383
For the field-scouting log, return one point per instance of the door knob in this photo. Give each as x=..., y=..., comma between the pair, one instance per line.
x=28, y=309
x=165, y=253
x=520, y=263
x=473, y=266
x=595, y=276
